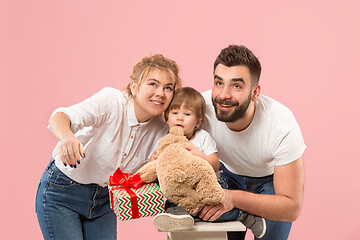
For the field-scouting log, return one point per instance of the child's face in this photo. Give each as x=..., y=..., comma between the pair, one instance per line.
x=153, y=95
x=185, y=118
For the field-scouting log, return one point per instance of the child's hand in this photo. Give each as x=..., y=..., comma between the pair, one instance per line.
x=212, y=158
x=153, y=156
x=193, y=150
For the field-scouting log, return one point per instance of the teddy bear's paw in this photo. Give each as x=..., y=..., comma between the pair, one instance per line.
x=148, y=172
x=195, y=210
x=218, y=196
x=213, y=196
x=147, y=178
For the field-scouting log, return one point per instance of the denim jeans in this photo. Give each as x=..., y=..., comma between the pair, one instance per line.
x=260, y=185
x=69, y=210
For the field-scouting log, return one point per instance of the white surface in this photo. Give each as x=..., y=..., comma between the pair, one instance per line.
x=207, y=231
x=234, y=226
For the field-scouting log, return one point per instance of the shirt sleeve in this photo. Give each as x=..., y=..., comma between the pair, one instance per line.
x=93, y=111
x=209, y=145
x=290, y=148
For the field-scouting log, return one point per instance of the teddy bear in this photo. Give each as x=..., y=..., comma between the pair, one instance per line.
x=186, y=180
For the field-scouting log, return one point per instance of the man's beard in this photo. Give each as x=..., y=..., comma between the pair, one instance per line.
x=238, y=113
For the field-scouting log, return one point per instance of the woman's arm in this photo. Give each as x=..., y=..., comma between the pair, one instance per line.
x=70, y=147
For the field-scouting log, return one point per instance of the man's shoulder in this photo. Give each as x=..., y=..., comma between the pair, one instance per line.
x=207, y=96
x=207, y=92
x=270, y=104
x=273, y=111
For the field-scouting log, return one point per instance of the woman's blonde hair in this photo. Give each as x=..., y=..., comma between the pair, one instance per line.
x=150, y=62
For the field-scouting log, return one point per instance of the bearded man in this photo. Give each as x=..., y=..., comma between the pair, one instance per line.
x=260, y=147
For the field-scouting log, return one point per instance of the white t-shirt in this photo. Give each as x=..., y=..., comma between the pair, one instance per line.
x=272, y=139
x=107, y=127
x=204, y=142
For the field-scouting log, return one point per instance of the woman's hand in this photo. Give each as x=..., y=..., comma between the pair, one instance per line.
x=153, y=156
x=71, y=151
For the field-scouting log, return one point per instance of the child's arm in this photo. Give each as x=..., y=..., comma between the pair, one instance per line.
x=211, y=158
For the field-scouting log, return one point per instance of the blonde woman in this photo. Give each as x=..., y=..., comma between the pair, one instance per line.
x=111, y=129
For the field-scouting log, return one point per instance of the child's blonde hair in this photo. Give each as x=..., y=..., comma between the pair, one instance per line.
x=191, y=99
x=150, y=62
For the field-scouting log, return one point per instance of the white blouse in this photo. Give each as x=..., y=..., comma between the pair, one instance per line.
x=112, y=137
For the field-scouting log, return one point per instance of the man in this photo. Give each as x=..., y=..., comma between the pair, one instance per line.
x=260, y=147
x=259, y=144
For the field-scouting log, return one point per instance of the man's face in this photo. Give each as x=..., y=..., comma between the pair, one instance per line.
x=232, y=92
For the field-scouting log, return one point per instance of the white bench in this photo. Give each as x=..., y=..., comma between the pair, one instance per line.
x=207, y=231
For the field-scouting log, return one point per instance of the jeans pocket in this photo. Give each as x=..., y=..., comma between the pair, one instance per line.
x=59, y=179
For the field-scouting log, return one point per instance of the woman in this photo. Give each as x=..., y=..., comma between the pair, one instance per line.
x=108, y=130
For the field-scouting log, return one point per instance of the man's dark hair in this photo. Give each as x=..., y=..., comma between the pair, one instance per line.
x=238, y=55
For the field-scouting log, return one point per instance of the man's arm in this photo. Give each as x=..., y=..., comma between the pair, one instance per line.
x=285, y=205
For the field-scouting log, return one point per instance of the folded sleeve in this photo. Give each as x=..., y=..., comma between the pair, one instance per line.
x=93, y=111
x=209, y=144
x=290, y=147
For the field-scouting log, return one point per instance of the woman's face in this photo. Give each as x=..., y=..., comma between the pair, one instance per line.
x=153, y=95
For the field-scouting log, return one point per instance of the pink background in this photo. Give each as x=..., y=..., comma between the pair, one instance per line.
x=57, y=53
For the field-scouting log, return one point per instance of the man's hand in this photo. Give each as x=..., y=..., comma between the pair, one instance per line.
x=285, y=205
x=213, y=212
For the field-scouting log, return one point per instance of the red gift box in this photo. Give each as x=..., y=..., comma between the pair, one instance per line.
x=130, y=199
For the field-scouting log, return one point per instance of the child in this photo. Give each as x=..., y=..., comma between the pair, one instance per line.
x=187, y=110
x=111, y=127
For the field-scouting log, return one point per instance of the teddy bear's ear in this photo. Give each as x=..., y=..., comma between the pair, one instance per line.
x=178, y=131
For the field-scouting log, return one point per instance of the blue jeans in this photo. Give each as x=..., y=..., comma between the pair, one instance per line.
x=260, y=185
x=69, y=210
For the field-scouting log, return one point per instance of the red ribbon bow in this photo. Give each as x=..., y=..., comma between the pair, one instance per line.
x=127, y=181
